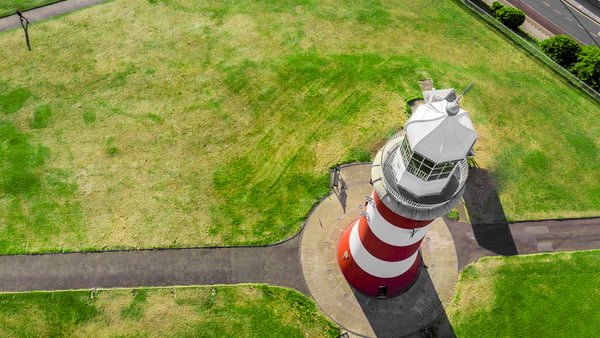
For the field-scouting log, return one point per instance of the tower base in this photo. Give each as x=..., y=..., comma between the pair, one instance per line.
x=366, y=283
x=415, y=310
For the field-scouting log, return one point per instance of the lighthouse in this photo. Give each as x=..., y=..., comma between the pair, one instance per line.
x=417, y=176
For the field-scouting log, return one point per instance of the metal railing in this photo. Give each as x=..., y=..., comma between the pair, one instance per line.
x=389, y=154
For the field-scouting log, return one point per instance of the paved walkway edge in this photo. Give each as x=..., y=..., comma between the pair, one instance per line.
x=46, y=12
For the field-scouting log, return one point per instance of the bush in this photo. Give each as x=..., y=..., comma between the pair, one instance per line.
x=587, y=68
x=563, y=49
x=453, y=214
x=495, y=7
x=510, y=17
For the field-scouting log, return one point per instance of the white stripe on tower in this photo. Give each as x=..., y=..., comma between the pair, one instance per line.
x=392, y=234
x=373, y=265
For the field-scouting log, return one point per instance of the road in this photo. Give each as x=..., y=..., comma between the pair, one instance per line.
x=578, y=18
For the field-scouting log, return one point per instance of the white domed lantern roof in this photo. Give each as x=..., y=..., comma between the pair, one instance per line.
x=430, y=159
x=439, y=129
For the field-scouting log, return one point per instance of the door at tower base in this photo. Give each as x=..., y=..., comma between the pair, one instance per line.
x=378, y=278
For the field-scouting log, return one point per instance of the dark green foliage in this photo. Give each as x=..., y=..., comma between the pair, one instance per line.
x=453, y=214
x=510, y=17
x=41, y=117
x=587, y=67
x=563, y=49
x=495, y=7
x=13, y=100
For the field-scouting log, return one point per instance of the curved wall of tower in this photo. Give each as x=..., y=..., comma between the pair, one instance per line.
x=378, y=253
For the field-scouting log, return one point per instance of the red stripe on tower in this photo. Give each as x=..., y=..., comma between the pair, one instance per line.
x=394, y=218
x=367, y=273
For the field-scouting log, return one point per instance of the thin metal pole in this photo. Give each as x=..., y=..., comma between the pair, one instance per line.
x=25, y=25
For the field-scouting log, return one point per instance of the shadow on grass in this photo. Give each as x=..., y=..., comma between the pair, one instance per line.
x=489, y=223
x=418, y=312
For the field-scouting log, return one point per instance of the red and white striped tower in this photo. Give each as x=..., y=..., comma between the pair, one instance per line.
x=417, y=176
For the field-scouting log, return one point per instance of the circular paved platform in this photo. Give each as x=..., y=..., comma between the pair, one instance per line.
x=419, y=308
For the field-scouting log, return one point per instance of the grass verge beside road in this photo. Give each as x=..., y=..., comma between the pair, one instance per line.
x=543, y=295
x=191, y=123
x=208, y=311
x=9, y=7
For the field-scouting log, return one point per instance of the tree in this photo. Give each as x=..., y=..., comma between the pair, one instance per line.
x=510, y=17
x=563, y=49
x=495, y=7
x=587, y=68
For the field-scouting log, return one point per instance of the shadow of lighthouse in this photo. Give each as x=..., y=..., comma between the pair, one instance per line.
x=418, y=312
x=489, y=223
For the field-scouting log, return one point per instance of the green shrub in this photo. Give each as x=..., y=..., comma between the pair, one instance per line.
x=510, y=17
x=495, y=7
x=453, y=214
x=587, y=67
x=563, y=49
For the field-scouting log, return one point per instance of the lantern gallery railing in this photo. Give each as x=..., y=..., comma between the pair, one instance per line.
x=391, y=152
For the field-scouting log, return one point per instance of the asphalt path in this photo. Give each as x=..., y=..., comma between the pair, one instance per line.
x=46, y=12
x=276, y=265
x=579, y=19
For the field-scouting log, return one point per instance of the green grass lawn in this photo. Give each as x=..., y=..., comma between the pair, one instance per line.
x=211, y=311
x=544, y=295
x=187, y=123
x=9, y=7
